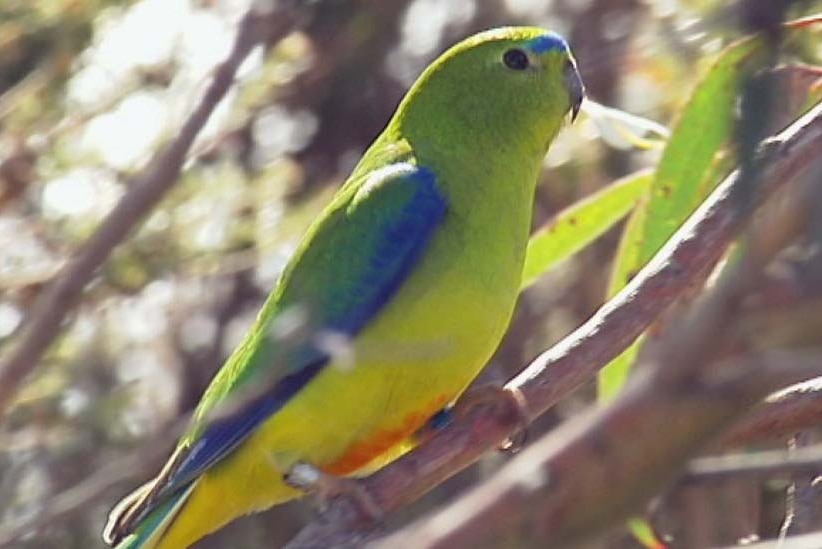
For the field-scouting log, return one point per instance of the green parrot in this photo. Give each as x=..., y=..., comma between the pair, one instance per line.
x=402, y=289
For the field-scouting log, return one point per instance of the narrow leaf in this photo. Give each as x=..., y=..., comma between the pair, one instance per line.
x=704, y=127
x=613, y=376
x=580, y=224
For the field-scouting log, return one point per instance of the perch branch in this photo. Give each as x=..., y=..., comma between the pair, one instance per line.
x=695, y=247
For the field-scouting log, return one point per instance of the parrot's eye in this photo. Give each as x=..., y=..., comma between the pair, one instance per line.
x=515, y=59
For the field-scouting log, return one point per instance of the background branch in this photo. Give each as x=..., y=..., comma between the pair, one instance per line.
x=145, y=190
x=800, y=462
x=780, y=416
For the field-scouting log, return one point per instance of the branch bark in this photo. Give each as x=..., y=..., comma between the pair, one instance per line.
x=782, y=415
x=695, y=247
x=598, y=469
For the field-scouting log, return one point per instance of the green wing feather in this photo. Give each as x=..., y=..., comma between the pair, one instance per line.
x=350, y=264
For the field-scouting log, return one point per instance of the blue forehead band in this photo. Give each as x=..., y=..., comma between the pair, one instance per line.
x=548, y=42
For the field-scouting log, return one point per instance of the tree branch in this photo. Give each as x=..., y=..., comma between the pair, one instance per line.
x=695, y=247
x=800, y=462
x=782, y=415
x=597, y=469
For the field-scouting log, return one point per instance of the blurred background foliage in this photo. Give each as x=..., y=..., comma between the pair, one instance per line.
x=90, y=88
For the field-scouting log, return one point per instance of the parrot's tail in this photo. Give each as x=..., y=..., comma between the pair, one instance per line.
x=151, y=529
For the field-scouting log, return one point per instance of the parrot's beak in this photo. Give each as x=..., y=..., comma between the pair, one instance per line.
x=576, y=89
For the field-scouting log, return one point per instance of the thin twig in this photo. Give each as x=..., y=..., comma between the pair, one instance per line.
x=800, y=462
x=781, y=415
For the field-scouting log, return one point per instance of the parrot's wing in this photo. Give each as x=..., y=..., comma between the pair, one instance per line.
x=348, y=267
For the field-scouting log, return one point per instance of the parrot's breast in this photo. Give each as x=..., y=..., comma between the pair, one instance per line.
x=416, y=356
x=421, y=351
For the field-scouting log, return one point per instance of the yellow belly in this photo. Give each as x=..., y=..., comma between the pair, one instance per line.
x=419, y=354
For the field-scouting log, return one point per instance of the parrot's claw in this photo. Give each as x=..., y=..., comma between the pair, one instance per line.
x=502, y=399
x=308, y=478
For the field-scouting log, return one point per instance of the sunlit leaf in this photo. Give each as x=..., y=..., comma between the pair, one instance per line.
x=613, y=376
x=704, y=127
x=580, y=224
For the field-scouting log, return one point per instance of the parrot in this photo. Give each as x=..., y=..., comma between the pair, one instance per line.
x=396, y=297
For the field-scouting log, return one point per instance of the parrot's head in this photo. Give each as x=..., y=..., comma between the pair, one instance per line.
x=516, y=84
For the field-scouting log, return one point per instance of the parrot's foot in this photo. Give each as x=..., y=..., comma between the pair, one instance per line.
x=308, y=478
x=502, y=400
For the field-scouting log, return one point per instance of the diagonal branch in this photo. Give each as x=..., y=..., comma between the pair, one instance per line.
x=783, y=414
x=594, y=471
x=597, y=469
x=145, y=190
x=695, y=247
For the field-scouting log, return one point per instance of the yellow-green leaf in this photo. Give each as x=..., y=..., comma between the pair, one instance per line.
x=580, y=224
x=704, y=127
x=613, y=376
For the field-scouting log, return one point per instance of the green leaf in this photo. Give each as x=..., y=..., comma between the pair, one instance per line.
x=580, y=224
x=613, y=376
x=704, y=128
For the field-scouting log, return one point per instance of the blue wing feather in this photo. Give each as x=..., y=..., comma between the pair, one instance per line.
x=387, y=232
x=224, y=434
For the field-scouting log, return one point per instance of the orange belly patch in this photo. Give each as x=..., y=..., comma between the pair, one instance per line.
x=364, y=451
